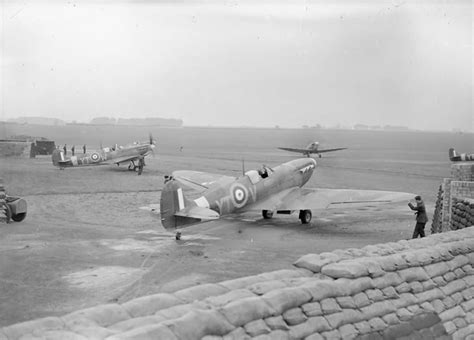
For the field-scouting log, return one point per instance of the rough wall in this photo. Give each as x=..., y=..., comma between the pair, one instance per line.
x=3, y=216
x=421, y=288
x=460, y=187
x=16, y=149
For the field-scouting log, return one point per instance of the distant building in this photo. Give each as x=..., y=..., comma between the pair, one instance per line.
x=168, y=122
x=361, y=127
x=103, y=121
x=395, y=128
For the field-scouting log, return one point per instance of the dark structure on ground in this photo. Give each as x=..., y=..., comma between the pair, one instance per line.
x=26, y=146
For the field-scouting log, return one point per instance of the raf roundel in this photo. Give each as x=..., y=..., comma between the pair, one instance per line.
x=239, y=195
x=95, y=157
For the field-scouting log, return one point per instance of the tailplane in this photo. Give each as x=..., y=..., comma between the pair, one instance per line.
x=177, y=211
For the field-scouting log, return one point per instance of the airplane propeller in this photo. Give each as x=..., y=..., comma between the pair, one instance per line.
x=152, y=143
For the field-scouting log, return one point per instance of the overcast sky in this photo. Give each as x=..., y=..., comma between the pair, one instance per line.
x=237, y=63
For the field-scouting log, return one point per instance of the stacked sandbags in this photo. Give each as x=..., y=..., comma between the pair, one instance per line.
x=462, y=171
x=436, y=225
x=15, y=149
x=417, y=289
x=462, y=213
x=3, y=213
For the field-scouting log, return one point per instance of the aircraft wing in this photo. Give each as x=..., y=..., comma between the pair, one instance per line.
x=295, y=150
x=201, y=180
x=314, y=199
x=124, y=159
x=327, y=150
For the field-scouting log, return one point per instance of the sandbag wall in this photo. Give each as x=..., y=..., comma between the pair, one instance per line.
x=420, y=288
x=462, y=214
x=3, y=216
x=12, y=148
x=459, y=187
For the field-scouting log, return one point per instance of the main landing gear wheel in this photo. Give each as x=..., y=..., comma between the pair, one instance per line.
x=19, y=217
x=267, y=214
x=305, y=216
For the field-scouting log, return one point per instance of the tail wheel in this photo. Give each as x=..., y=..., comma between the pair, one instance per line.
x=267, y=214
x=19, y=217
x=305, y=216
x=178, y=236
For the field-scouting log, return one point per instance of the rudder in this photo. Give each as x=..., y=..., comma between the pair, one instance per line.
x=173, y=200
x=56, y=157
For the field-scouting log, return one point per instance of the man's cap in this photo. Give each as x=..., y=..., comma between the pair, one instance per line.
x=418, y=198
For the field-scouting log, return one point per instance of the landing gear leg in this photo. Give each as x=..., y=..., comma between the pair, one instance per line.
x=178, y=236
x=267, y=214
x=305, y=216
x=141, y=164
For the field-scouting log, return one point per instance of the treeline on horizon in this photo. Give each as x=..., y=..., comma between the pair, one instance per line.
x=150, y=121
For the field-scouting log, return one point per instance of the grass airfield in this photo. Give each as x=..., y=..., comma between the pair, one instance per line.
x=86, y=242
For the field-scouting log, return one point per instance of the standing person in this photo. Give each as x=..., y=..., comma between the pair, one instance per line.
x=65, y=149
x=84, y=149
x=73, y=149
x=421, y=217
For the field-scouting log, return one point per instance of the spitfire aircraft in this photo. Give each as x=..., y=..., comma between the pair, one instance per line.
x=310, y=149
x=132, y=153
x=454, y=157
x=278, y=190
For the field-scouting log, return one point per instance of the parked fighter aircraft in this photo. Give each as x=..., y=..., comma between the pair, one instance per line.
x=454, y=157
x=116, y=154
x=311, y=148
x=268, y=190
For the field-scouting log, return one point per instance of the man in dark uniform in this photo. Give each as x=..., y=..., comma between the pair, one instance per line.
x=421, y=217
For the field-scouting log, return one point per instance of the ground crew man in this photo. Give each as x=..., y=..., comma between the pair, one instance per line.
x=421, y=217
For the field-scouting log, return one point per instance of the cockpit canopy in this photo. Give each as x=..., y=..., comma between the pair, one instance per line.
x=256, y=176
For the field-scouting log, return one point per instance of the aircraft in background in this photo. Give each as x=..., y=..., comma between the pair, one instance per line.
x=310, y=149
x=454, y=157
x=132, y=153
x=278, y=190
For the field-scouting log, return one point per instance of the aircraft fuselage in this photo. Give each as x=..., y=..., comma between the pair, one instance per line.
x=252, y=188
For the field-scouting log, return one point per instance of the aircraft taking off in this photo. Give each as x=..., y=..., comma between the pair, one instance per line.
x=117, y=154
x=311, y=148
x=268, y=190
x=454, y=157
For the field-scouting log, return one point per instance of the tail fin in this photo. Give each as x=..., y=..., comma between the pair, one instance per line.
x=452, y=154
x=172, y=201
x=56, y=157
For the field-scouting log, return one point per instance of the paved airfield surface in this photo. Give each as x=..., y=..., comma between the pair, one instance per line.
x=86, y=242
